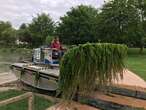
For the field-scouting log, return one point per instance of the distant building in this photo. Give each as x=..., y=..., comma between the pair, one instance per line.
x=18, y=42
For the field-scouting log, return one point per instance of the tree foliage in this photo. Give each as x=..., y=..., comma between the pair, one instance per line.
x=79, y=25
x=118, y=21
x=117, y=18
x=141, y=5
x=7, y=34
x=24, y=35
x=48, y=40
x=122, y=22
x=101, y=63
x=40, y=28
x=4, y=26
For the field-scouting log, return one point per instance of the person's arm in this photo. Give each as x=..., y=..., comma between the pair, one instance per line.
x=54, y=48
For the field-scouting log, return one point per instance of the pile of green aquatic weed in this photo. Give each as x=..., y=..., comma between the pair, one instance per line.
x=86, y=65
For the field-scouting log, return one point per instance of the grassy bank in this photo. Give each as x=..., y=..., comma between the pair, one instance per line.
x=137, y=62
x=39, y=103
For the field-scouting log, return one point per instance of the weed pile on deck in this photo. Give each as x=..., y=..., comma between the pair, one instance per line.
x=87, y=65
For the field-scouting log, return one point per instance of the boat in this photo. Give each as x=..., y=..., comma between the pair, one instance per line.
x=43, y=72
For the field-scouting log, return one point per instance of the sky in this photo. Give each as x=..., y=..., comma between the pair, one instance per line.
x=22, y=11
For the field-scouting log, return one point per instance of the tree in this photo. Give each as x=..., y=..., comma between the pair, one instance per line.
x=7, y=33
x=120, y=22
x=141, y=5
x=86, y=66
x=40, y=28
x=116, y=18
x=4, y=26
x=48, y=40
x=23, y=26
x=24, y=35
x=79, y=25
x=8, y=37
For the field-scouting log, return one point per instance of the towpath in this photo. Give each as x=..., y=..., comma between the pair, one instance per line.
x=7, y=78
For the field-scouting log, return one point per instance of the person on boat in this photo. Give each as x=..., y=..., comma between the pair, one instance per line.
x=57, y=47
x=55, y=44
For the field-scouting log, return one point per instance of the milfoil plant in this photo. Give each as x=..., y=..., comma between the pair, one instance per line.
x=85, y=66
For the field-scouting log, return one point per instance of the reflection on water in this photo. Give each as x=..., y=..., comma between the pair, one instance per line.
x=4, y=67
x=11, y=55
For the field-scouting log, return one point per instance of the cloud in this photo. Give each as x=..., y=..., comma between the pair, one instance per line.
x=22, y=11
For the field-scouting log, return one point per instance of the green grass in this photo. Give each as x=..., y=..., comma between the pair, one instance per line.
x=42, y=104
x=137, y=62
x=39, y=103
x=9, y=94
x=21, y=105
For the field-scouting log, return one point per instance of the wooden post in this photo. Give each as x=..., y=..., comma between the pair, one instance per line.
x=31, y=102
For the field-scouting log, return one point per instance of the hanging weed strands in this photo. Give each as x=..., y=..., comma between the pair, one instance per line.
x=88, y=65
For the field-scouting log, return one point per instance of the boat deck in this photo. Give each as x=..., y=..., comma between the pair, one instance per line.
x=37, y=76
x=36, y=68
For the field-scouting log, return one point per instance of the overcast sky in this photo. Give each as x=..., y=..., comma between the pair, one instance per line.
x=22, y=11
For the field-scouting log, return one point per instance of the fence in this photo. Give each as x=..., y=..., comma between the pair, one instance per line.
x=30, y=97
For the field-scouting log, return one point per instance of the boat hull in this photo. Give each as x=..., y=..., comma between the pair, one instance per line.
x=37, y=77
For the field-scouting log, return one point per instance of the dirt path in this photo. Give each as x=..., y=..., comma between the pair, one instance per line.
x=131, y=79
x=7, y=78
